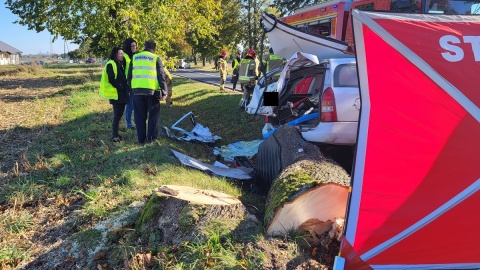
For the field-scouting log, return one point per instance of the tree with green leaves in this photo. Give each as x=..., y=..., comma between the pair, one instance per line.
x=252, y=31
x=108, y=23
x=227, y=25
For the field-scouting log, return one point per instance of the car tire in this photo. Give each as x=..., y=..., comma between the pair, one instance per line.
x=268, y=164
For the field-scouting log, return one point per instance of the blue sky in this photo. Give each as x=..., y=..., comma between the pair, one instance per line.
x=28, y=41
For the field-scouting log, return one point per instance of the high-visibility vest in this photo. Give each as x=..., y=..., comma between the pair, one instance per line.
x=248, y=71
x=273, y=62
x=235, y=63
x=144, y=71
x=107, y=90
x=127, y=63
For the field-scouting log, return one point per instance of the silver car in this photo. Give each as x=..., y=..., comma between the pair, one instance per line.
x=320, y=98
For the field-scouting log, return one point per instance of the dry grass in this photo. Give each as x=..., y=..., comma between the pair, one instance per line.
x=31, y=99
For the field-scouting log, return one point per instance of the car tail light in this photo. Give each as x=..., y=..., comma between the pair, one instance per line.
x=329, y=110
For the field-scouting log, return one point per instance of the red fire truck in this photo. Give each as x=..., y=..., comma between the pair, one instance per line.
x=332, y=18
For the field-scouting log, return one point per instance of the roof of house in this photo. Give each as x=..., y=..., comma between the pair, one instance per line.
x=4, y=47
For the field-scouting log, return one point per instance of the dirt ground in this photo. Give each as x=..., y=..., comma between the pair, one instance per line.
x=52, y=246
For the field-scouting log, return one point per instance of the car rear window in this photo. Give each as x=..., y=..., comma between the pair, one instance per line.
x=346, y=76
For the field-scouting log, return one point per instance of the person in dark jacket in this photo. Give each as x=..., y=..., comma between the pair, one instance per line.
x=148, y=83
x=113, y=86
x=235, y=67
x=129, y=49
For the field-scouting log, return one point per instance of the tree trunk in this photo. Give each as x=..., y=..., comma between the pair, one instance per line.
x=175, y=214
x=308, y=191
x=309, y=195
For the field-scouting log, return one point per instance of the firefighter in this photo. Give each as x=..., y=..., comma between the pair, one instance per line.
x=222, y=67
x=249, y=80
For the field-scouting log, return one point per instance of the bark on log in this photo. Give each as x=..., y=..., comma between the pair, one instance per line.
x=281, y=149
x=175, y=214
x=310, y=191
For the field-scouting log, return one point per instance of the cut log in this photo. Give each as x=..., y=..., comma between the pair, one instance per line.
x=284, y=147
x=306, y=191
x=175, y=214
x=308, y=195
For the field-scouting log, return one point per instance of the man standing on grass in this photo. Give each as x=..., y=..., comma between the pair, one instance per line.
x=148, y=87
x=129, y=49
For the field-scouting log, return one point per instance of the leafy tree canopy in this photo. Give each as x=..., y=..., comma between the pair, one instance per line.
x=107, y=23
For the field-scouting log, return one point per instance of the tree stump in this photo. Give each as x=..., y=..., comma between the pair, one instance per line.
x=175, y=214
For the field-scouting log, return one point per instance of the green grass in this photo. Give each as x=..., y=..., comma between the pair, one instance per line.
x=69, y=155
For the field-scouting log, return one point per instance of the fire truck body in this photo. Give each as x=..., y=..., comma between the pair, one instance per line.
x=332, y=19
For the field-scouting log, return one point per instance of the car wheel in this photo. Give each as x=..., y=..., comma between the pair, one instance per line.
x=268, y=164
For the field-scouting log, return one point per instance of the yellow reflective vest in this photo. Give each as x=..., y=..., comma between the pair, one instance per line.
x=107, y=90
x=235, y=63
x=127, y=63
x=274, y=62
x=144, y=72
x=248, y=71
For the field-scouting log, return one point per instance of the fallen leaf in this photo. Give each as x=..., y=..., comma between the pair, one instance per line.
x=100, y=255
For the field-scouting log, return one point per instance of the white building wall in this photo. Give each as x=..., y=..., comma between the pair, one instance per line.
x=9, y=59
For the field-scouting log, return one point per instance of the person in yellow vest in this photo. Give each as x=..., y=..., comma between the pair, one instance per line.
x=129, y=49
x=113, y=86
x=169, y=80
x=235, y=67
x=248, y=89
x=148, y=83
x=222, y=67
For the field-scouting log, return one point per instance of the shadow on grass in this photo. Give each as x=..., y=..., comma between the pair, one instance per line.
x=76, y=157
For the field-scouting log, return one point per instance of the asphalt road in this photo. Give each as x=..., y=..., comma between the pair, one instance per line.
x=206, y=76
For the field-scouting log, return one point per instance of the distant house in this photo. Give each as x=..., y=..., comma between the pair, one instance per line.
x=9, y=55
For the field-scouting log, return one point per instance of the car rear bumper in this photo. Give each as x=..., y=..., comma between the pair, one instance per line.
x=338, y=133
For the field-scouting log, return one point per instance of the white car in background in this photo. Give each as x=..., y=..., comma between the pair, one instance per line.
x=182, y=64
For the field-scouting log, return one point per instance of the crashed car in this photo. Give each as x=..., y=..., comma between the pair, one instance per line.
x=320, y=98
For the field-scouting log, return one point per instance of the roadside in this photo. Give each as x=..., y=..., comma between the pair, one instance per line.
x=62, y=179
x=209, y=76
